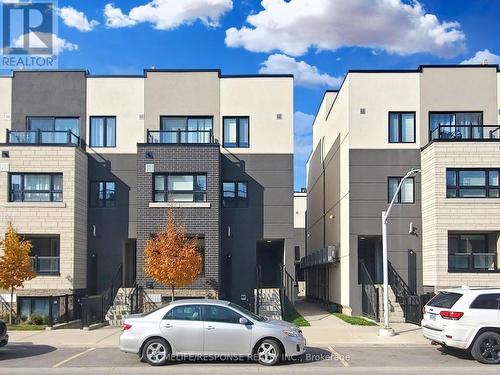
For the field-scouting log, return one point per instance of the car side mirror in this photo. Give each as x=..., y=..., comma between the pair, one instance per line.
x=245, y=321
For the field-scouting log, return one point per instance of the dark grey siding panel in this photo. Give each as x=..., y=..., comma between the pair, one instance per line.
x=114, y=225
x=269, y=215
x=196, y=221
x=55, y=93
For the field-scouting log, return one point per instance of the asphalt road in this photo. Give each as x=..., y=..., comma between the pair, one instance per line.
x=24, y=358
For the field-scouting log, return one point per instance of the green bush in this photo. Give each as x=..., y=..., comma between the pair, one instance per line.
x=45, y=320
x=36, y=319
x=24, y=318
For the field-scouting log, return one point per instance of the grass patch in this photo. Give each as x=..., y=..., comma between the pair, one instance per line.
x=355, y=320
x=297, y=319
x=25, y=327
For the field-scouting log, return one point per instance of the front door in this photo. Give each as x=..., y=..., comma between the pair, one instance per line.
x=223, y=332
x=183, y=328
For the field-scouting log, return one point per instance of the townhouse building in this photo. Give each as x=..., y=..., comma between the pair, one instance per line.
x=90, y=166
x=444, y=228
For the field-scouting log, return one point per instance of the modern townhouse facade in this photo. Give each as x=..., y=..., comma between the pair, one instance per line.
x=444, y=228
x=92, y=164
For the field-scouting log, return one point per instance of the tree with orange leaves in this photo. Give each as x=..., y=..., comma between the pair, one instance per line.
x=15, y=263
x=171, y=258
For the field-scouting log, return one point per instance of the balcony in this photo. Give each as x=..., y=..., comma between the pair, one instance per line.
x=465, y=132
x=472, y=262
x=45, y=265
x=320, y=257
x=42, y=137
x=180, y=136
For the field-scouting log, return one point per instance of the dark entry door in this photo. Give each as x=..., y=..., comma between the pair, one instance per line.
x=370, y=253
x=270, y=260
x=412, y=271
x=129, y=256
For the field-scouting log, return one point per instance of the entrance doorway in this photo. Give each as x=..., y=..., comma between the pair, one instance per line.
x=270, y=260
x=370, y=252
x=129, y=256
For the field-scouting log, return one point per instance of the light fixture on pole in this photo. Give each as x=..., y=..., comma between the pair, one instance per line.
x=387, y=330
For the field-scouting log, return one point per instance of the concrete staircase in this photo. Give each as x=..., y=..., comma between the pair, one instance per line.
x=270, y=303
x=120, y=308
x=396, y=313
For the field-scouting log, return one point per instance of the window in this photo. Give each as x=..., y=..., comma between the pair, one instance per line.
x=187, y=312
x=401, y=127
x=55, y=127
x=407, y=192
x=445, y=300
x=36, y=187
x=180, y=188
x=220, y=314
x=103, y=194
x=44, y=254
x=470, y=252
x=487, y=302
x=103, y=132
x=176, y=129
x=234, y=194
x=236, y=132
x=297, y=253
x=451, y=125
x=472, y=183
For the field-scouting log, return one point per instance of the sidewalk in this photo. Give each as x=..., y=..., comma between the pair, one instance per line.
x=326, y=329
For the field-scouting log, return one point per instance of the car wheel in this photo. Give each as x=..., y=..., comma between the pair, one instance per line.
x=486, y=348
x=269, y=352
x=156, y=352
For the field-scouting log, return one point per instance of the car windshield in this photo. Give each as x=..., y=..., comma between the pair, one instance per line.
x=445, y=300
x=247, y=312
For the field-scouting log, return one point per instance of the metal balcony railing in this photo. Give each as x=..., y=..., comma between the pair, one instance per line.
x=42, y=137
x=45, y=265
x=465, y=132
x=320, y=257
x=180, y=136
x=472, y=262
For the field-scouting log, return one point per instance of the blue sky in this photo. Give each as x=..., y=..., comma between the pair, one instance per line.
x=318, y=40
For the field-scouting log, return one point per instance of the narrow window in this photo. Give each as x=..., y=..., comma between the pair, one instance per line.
x=236, y=132
x=103, y=194
x=234, y=194
x=407, y=192
x=103, y=132
x=401, y=127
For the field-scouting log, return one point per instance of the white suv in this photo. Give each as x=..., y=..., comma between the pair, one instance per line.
x=466, y=318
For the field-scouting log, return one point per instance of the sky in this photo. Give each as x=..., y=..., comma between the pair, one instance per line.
x=316, y=40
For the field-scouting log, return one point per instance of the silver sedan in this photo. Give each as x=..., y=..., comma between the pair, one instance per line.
x=209, y=329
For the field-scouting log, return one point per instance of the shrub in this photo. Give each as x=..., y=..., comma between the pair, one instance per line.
x=36, y=319
x=45, y=319
x=24, y=318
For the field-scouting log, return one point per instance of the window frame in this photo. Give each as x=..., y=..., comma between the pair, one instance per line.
x=50, y=237
x=238, y=143
x=398, y=197
x=450, y=113
x=105, y=205
x=105, y=135
x=204, y=314
x=186, y=125
x=457, y=187
x=167, y=192
x=400, y=126
x=54, y=118
x=199, y=306
x=470, y=254
x=239, y=202
x=22, y=191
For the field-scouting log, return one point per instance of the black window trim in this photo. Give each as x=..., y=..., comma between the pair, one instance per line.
x=400, y=133
x=105, y=135
x=470, y=270
x=459, y=187
x=448, y=112
x=55, y=118
x=236, y=198
x=105, y=189
x=51, y=192
x=237, y=118
x=166, y=191
x=485, y=294
x=398, y=199
x=49, y=236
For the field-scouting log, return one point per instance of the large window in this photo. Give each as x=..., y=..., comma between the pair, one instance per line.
x=472, y=252
x=103, y=131
x=236, y=132
x=180, y=188
x=32, y=187
x=175, y=129
x=44, y=254
x=472, y=183
x=407, y=192
x=401, y=127
x=455, y=125
x=234, y=194
x=103, y=194
x=57, y=125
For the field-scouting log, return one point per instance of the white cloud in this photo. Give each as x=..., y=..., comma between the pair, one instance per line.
x=295, y=26
x=169, y=14
x=59, y=45
x=303, y=142
x=480, y=56
x=304, y=74
x=74, y=18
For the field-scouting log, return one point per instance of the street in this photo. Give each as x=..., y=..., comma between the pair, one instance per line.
x=23, y=358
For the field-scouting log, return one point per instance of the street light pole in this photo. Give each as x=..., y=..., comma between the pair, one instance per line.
x=387, y=330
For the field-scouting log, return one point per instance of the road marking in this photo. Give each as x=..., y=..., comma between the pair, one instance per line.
x=339, y=356
x=72, y=358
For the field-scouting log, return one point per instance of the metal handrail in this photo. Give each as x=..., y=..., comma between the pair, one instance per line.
x=180, y=136
x=469, y=131
x=35, y=263
x=38, y=137
x=399, y=286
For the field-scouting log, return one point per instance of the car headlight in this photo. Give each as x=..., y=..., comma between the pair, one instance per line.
x=291, y=333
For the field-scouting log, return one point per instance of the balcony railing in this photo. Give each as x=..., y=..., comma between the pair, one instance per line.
x=180, y=136
x=42, y=137
x=472, y=262
x=465, y=132
x=320, y=257
x=45, y=265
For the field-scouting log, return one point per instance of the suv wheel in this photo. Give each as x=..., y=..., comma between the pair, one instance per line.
x=156, y=352
x=269, y=352
x=486, y=348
